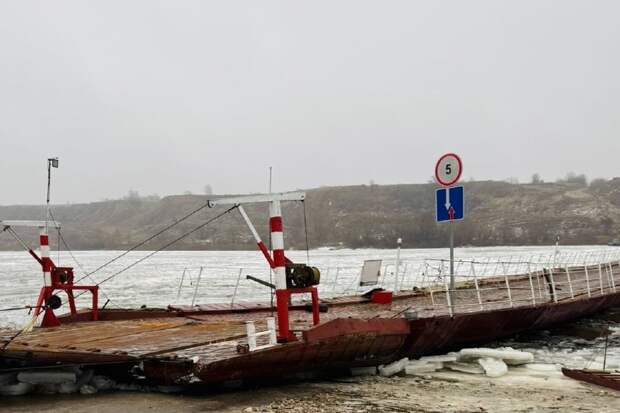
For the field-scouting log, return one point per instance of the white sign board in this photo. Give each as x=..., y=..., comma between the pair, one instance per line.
x=448, y=169
x=370, y=272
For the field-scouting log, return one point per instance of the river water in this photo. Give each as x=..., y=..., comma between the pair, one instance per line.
x=156, y=282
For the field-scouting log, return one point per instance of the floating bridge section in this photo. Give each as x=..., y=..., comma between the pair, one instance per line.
x=209, y=343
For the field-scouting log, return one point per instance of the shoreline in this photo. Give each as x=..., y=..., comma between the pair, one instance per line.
x=440, y=392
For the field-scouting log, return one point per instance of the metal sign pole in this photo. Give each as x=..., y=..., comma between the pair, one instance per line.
x=449, y=206
x=452, y=258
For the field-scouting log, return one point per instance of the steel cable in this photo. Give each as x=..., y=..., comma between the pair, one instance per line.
x=64, y=242
x=145, y=241
x=204, y=224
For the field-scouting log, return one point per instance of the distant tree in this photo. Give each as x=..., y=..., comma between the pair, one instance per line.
x=598, y=184
x=536, y=179
x=188, y=192
x=512, y=180
x=573, y=178
x=208, y=190
x=132, y=195
x=152, y=198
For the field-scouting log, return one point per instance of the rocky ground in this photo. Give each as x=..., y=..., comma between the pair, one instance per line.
x=519, y=391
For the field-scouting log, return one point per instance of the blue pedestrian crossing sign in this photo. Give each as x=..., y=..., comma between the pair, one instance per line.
x=449, y=204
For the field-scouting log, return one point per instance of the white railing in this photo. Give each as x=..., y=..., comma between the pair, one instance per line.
x=531, y=288
x=253, y=335
x=526, y=280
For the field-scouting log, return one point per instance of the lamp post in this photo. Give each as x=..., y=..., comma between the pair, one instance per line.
x=51, y=163
x=398, y=242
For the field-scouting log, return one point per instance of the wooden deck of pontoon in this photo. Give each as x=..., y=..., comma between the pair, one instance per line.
x=205, y=343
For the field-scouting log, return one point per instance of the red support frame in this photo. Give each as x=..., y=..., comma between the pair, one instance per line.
x=283, y=296
x=62, y=279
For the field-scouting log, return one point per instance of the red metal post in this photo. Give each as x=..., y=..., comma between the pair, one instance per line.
x=279, y=269
x=315, y=306
x=95, y=292
x=49, y=319
x=52, y=282
x=46, y=262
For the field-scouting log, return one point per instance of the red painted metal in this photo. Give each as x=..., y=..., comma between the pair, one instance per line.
x=58, y=278
x=275, y=224
x=265, y=251
x=279, y=259
x=35, y=256
x=279, y=262
x=444, y=333
x=66, y=285
x=381, y=297
x=284, y=334
x=284, y=296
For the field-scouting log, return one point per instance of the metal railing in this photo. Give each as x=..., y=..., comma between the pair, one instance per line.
x=531, y=288
x=480, y=283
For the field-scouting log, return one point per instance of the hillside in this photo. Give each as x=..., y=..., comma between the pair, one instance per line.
x=497, y=213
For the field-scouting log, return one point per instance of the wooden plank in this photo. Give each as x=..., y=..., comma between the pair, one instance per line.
x=90, y=332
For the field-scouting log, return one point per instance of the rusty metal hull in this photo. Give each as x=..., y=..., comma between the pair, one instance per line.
x=352, y=346
x=204, y=343
x=440, y=334
x=600, y=378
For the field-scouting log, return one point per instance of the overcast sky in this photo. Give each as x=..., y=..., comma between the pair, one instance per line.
x=164, y=97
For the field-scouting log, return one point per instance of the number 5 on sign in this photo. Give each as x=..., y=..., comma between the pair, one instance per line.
x=448, y=169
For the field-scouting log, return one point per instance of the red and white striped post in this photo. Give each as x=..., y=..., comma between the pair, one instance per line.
x=46, y=262
x=279, y=263
x=49, y=319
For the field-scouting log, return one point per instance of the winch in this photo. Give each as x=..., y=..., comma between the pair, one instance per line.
x=302, y=276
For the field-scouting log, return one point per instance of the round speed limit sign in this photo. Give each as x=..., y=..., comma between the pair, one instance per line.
x=448, y=169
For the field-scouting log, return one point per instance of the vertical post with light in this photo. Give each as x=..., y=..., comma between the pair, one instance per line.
x=399, y=241
x=51, y=163
x=43, y=233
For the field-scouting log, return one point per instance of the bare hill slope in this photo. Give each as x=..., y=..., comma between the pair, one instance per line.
x=497, y=213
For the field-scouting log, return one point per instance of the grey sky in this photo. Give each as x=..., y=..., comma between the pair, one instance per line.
x=163, y=97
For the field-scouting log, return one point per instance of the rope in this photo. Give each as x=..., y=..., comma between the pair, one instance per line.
x=306, y=232
x=164, y=247
x=68, y=249
x=598, y=349
x=10, y=340
x=271, y=290
x=26, y=329
x=25, y=307
x=57, y=241
x=145, y=241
